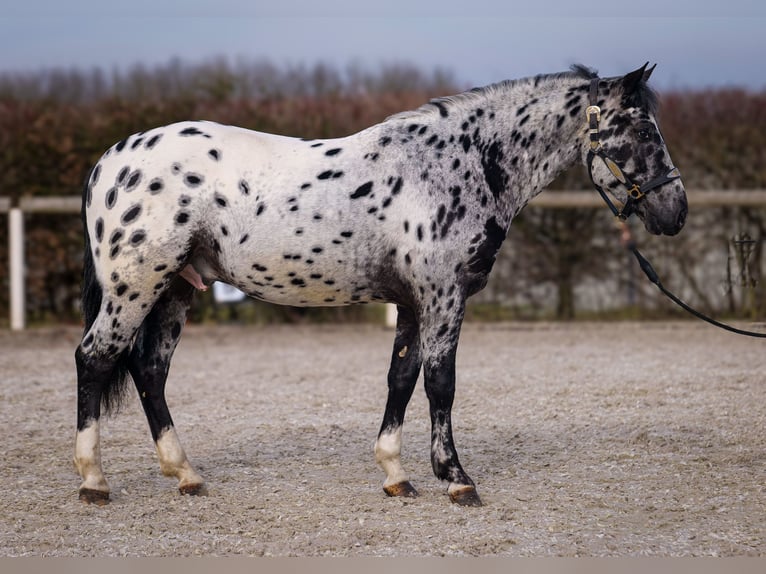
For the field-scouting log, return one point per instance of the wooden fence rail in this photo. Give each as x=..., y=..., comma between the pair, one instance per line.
x=72, y=205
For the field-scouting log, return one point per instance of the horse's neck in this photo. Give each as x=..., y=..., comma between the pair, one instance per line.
x=523, y=134
x=541, y=132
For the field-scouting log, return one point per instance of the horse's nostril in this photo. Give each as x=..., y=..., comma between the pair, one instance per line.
x=682, y=217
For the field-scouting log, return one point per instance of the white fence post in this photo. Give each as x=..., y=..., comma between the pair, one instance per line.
x=16, y=264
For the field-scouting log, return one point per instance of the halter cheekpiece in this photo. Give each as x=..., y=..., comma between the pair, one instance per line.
x=635, y=192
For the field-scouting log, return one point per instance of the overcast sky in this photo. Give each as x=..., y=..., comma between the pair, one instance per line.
x=695, y=42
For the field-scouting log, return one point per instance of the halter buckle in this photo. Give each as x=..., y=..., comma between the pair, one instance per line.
x=590, y=110
x=635, y=192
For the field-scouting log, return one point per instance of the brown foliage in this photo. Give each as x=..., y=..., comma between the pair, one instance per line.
x=53, y=127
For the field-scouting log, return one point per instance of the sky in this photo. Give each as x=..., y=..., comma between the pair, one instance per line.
x=696, y=43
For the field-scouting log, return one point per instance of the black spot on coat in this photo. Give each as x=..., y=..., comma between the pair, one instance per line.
x=133, y=180
x=99, y=229
x=123, y=173
x=111, y=198
x=137, y=237
x=480, y=264
x=155, y=186
x=152, y=141
x=131, y=214
x=362, y=190
x=193, y=179
x=494, y=174
x=193, y=132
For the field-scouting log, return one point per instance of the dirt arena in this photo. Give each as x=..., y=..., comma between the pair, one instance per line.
x=616, y=439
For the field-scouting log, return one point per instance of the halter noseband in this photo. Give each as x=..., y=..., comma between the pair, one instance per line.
x=635, y=191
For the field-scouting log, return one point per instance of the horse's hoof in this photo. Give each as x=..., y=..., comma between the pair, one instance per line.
x=91, y=496
x=198, y=489
x=466, y=496
x=402, y=489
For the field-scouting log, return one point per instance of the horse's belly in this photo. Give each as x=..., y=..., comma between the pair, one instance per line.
x=315, y=296
x=302, y=284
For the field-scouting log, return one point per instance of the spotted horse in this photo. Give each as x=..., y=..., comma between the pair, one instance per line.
x=410, y=211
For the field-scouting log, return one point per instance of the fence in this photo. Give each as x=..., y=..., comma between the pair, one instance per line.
x=72, y=205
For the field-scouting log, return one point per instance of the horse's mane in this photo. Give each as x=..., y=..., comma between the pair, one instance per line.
x=644, y=95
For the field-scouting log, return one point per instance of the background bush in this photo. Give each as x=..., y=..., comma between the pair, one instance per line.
x=54, y=125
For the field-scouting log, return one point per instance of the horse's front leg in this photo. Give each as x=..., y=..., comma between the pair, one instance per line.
x=149, y=363
x=440, y=339
x=402, y=376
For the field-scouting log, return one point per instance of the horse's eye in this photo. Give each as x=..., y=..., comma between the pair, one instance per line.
x=643, y=134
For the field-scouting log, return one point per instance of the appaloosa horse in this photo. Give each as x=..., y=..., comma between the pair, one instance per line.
x=410, y=211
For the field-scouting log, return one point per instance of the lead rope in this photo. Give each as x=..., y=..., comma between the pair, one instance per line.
x=651, y=274
x=593, y=114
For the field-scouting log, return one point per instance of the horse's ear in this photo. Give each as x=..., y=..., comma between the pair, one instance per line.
x=648, y=73
x=631, y=81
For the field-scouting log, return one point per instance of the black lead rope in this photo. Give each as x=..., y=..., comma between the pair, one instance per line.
x=649, y=271
x=635, y=193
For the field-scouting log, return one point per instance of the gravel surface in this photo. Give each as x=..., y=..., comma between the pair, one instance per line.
x=616, y=439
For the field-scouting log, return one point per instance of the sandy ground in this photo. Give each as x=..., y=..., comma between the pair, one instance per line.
x=584, y=440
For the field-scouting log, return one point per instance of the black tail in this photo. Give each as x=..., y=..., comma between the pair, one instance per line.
x=114, y=386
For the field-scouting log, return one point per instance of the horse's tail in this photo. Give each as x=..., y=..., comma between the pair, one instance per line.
x=114, y=385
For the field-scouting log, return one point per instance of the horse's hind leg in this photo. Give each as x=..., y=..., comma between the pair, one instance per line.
x=95, y=373
x=402, y=376
x=101, y=359
x=149, y=363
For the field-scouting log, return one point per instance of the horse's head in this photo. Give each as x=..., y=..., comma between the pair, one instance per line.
x=626, y=155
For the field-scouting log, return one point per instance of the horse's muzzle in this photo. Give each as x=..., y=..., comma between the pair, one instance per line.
x=666, y=220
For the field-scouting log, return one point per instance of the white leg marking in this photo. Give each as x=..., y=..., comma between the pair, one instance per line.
x=173, y=461
x=388, y=448
x=87, y=458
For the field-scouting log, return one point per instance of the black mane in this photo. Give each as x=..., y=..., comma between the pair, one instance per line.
x=584, y=71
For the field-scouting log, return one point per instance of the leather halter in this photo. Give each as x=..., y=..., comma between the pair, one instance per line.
x=635, y=191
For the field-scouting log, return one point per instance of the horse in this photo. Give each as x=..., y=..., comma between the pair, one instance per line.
x=410, y=211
